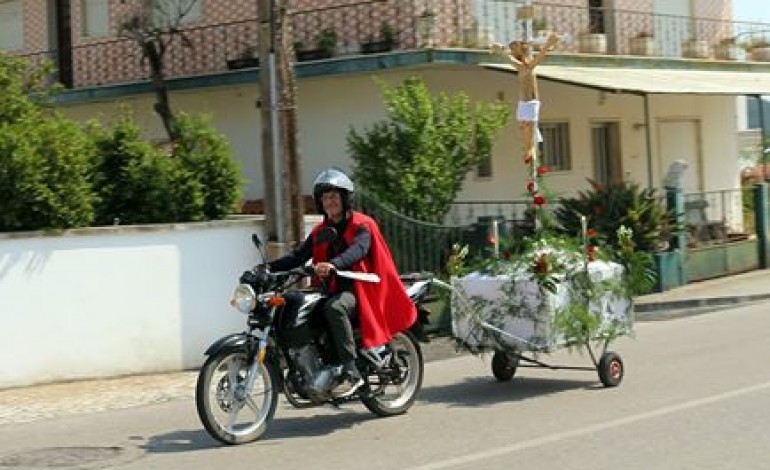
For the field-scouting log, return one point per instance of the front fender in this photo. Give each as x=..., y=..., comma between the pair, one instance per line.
x=233, y=342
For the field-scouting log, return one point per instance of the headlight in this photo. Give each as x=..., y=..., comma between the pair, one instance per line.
x=244, y=298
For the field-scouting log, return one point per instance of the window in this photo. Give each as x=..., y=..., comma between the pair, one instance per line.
x=95, y=18
x=11, y=25
x=176, y=12
x=555, y=147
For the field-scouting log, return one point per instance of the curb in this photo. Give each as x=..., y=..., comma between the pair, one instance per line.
x=695, y=303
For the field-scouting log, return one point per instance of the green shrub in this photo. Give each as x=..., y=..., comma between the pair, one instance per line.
x=207, y=167
x=134, y=181
x=608, y=207
x=416, y=160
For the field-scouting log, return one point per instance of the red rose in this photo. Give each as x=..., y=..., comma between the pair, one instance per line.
x=531, y=186
x=539, y=199
x=542, y=170
x=591, y=252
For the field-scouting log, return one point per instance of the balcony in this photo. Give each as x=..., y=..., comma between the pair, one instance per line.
x=357, y=30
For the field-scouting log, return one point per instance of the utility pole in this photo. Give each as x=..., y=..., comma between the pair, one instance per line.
x=268, y=104
x=293, y=203
x=284, y=214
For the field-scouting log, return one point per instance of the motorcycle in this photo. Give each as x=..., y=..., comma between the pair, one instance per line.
x=287, y=348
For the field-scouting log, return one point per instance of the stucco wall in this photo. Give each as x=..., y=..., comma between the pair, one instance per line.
x=329, y=106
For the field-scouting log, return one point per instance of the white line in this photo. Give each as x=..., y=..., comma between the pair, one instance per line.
x=550, y=439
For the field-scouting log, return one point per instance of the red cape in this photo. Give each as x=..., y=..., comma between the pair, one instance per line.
x=384, y=308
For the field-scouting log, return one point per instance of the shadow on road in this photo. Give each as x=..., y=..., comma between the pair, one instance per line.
x=280, y=428
x=486, y=390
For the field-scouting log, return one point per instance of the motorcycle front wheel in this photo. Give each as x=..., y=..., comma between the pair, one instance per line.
x=229, y=412
x=393, y=389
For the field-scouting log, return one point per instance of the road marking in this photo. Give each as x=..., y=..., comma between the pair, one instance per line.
x=550, y=439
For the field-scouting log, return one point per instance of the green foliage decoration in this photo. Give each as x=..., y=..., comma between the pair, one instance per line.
x=416, y=159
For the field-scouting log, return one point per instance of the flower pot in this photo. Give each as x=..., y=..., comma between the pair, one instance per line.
x=727, y=52
x=313, y=54
x=643, y=46
x=760, y=54
x=592, y=43
x=696, y=49
x=374, y=47
x=242, y=63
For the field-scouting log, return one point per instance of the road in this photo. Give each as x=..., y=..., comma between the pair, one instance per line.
x=696, y=396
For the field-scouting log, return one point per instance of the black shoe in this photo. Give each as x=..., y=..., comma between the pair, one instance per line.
x=350, y=382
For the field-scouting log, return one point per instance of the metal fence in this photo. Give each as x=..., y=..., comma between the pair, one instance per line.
x=408, y=25
x=714, y=217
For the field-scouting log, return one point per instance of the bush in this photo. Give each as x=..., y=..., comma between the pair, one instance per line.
x=416, y=160
x=207, y=163
x=44, y=158
x=44, y=175
x=134, y=182
x=608, y=207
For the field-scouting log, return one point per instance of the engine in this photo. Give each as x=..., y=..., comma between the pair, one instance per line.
x=317, y=378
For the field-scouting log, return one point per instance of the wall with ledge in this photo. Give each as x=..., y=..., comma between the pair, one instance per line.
x=111, y=301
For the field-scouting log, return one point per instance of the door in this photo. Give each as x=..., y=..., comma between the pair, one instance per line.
x=61, y=39
x=605, y=139
x=679, y=140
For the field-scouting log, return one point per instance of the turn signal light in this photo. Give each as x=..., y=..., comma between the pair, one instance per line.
x=277, y=301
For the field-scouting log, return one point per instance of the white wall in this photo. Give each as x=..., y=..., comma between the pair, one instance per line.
x=329, y=106
x=123, y=300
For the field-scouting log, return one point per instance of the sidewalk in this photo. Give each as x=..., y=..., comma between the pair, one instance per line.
x=62, y=399
x=703, y=296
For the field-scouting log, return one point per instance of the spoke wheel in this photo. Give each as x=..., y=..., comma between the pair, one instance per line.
x=229, y=412
x=393, y=390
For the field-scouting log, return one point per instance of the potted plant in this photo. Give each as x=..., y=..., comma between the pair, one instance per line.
x=592, y=43
x=696, y=49
x=325, y=46
x=643, y=44
x=385, y=42
x=247, y=58
x=759, y=50
x=727, y=49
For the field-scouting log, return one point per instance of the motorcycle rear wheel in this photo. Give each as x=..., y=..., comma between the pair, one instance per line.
x=388, y=397
x=229, y=414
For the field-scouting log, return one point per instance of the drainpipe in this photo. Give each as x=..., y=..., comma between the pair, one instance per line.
x=648, y=138
x=762, y=136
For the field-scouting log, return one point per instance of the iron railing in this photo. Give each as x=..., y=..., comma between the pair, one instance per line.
x=409, y=25
x=719, y=216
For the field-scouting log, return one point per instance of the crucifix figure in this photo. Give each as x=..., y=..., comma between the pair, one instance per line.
x=528, y=109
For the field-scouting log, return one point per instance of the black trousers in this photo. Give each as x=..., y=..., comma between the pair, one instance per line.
x=337, y=310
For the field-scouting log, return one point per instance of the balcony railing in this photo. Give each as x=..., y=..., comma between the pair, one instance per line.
x=409, y=25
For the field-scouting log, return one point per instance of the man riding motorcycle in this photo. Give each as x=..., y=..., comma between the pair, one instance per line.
x=359, y=246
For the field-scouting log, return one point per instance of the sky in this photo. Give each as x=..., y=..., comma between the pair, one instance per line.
x=751, y=10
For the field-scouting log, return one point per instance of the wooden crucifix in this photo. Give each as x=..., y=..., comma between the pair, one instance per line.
x=528, y=109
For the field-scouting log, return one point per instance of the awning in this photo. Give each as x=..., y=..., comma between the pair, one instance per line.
x=653, y=81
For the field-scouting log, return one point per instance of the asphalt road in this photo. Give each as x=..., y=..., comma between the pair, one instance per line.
x=696, y=396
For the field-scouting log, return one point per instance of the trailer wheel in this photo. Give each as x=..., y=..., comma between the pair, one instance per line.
x=611, y=369
x=504, y=366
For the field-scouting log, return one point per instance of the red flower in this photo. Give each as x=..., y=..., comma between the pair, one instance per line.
x=531, y=186
x=592, y=233
x=539, y=199
x=541, y=264
x=542, y=170
x=591, y=252
x=528, y=158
